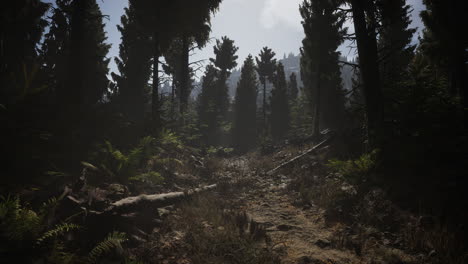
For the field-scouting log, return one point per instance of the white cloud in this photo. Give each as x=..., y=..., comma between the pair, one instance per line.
x=275, y=12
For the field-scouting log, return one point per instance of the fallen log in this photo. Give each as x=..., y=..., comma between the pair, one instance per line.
x=291, y=161
x=153, y=200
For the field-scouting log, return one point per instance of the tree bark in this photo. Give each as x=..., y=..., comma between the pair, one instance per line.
x=368, y=63
x=185, y=78
x=135, y=203
x=264, y=108
x=155, y=94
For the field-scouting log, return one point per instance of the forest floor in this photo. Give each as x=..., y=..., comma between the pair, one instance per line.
x=277, y=220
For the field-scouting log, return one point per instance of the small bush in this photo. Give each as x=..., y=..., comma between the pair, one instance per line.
x=355, y=171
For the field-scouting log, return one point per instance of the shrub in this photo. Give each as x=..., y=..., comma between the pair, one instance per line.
x=358, y=170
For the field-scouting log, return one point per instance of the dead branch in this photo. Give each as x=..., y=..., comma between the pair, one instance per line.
x=289, y=162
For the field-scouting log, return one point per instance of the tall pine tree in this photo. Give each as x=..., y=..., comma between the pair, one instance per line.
x=266, y=65
x=245, y=107
x=225, y=60
x=208, y=116
x=280, y=115
x=293, y=89
x=134, y=65
x=320, y=71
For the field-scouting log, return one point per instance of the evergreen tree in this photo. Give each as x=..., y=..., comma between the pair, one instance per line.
x=207, y=106
x=134, y=65
x=365, y=25
x=245, y=107
x=88, y=68
x=280, y=116
x=165, y=21
x=55, y=50
x=395, y=55
x=225, y=60
x=266, y=65
x=395, y=49
x=320, y=71
x=293, y=88
x=194, y=30
x=445, y=45
x=21, y=27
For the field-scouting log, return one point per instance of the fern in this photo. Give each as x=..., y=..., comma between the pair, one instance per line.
x=150, y=177
x=355, y=170
x=58, y=230
x=16, y=221
x=111, y=242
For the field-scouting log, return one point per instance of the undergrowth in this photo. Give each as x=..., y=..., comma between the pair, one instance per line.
x=29, y=236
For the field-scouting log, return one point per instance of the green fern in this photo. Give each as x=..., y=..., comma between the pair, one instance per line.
x=150, y=177
x=16, y=221
x=356, y=170
x=111, y=242
x=56, y=231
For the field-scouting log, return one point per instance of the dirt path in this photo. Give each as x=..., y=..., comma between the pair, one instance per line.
x=298, y=233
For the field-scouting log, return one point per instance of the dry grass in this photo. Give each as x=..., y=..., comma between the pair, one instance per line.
x=208, y=230
x=215, y=233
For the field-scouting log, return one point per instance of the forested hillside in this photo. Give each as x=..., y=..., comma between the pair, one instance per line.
x=152, y=156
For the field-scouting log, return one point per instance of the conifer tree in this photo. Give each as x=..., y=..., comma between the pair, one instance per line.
x=395, y=49
x=207, y=106
x=55, y=50
x=365, y=25
x=280, y=115
x=266, y=65
x=320, y=71
x=395, y=55
x=445, y=45
x=21, y=27
x=245, y=107
x=293, y=90
x=88, y=68
x=166, y=20
x=134, y=65
x=225, y=60
x=194, y=30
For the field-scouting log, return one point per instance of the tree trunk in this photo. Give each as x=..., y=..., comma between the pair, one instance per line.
x=316, y=132
x=367, y=49
x=185, y=78
x=136, y=203
x=74, y=93
x=155, y=94
x=264, y=108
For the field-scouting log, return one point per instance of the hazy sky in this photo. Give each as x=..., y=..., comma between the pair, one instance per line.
x=252, y=24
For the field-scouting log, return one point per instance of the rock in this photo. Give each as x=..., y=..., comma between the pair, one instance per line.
x=323, y=243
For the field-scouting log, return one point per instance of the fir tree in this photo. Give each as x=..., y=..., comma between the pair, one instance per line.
x=21, y=27
x=207, y=106
x=445, y=45
x=280, y=116
x=365, y=25
x=134, y=64
x=266, y=65
x=88, y=68
x=320, y=71
x=395, y=55
x=225, y=60
x=293, y=90
x=245, y=107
